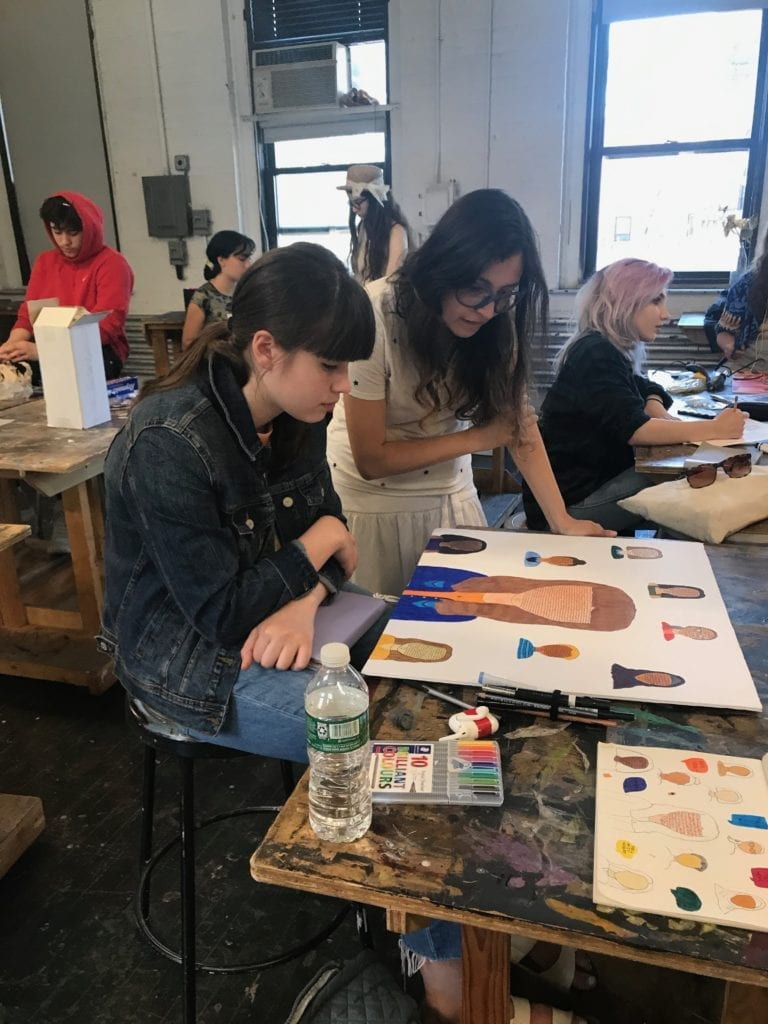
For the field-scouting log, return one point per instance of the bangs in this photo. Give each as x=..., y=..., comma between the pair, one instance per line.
x=246, y=248
x=346, y=332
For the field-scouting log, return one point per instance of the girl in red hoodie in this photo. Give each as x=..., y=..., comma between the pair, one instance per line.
x=79, y=271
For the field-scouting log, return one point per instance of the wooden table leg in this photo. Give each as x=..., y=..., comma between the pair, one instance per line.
x=9, y=506
x=85, y=531
x=93, y=486
x=744, y=1004
x=12, y=611
x=485, y=976
x=156, y=338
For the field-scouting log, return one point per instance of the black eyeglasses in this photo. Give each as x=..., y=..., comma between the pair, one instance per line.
x=480, y=295
x=704, y=475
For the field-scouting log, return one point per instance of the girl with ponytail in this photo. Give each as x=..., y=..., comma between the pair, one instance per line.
x=223, y=531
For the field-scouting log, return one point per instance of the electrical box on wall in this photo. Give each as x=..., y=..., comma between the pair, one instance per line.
x=201, y=222
x=437, y=198
x=177, y=252
x=168, y=205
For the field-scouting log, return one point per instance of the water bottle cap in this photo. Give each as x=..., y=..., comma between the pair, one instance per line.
x=334, y=655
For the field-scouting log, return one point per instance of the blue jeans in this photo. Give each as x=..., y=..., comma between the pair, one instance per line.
x=265, y=714
x=440, y=940
x=601, y=504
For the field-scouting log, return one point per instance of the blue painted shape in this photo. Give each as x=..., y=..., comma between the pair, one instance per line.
x=634, y=785
x=430, y=577
x=748, y=820
x=525, y=648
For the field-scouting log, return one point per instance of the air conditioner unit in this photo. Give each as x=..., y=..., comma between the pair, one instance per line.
x=297, y=77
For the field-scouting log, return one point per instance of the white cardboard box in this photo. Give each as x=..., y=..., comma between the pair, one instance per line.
x=71, y=365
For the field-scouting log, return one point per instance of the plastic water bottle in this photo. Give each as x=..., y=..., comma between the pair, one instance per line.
x=336, y=704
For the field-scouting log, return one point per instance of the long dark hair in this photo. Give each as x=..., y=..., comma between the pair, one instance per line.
x=378, y=221
x=757, y=293
x=304, y=296
x=225, y=243
x=486, y=375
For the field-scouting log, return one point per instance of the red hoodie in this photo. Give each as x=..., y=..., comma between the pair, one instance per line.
x=98, y=278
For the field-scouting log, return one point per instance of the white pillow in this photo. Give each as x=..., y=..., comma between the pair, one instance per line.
x=707, y=513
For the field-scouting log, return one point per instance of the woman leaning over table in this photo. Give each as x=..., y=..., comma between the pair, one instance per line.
x=600, y=404
x=447, y=378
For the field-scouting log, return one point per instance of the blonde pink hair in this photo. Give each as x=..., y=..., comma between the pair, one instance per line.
x=611, y=299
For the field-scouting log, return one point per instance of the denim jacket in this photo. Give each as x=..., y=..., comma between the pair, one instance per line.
x=198, y=546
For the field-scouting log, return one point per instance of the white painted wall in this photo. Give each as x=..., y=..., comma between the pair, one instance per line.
x=175, y=81
x=486, y=95
x=51, y=116
x=486, y=92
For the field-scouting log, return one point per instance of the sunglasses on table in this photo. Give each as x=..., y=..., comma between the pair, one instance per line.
x=704, y=475
x=479, y=295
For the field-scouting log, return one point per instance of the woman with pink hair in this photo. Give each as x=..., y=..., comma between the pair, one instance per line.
x=600, y=404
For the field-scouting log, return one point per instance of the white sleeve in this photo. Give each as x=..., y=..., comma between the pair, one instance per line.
x=369, y=377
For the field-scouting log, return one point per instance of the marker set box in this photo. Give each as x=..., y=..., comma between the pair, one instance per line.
x=459, y=771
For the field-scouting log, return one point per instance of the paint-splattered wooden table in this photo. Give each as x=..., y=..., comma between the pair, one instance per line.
x=57, y=642
x=526, y=868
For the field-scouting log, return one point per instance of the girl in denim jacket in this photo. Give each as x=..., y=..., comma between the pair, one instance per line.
x=223, y=531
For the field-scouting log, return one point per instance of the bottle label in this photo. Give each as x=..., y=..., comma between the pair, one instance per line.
x=339, y=736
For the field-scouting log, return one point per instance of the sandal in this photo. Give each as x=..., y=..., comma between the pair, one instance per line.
x=523, y=1011
x=570, y=970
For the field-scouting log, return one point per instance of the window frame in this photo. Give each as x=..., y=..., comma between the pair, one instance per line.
x=268, y=169
x=270, y=173
x=596, y=151
x=358, y=36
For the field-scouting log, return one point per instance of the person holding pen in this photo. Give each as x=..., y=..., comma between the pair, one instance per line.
x=601, y=404
x=742, y=323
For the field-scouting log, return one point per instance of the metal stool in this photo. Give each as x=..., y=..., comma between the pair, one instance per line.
x=186, y=752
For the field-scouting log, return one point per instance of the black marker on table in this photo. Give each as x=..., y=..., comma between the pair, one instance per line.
x=564, y=700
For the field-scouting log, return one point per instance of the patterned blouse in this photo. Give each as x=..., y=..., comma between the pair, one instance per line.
x=737, y=318
x=213, y=303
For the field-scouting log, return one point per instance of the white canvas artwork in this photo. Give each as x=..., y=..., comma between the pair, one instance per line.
x=682, y=833
x=638, y=620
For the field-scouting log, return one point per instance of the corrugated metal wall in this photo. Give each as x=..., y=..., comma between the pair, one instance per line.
x=140, y=361
x=671, y=349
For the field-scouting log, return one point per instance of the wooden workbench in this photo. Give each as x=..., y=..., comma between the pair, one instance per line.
x=58, y=642
x=526, y=868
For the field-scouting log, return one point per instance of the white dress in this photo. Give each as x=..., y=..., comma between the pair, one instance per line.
x=392, y=518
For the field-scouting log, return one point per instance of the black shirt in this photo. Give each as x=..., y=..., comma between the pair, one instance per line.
x=594, y=406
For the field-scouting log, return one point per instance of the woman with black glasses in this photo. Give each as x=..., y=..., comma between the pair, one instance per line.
x=447, y=378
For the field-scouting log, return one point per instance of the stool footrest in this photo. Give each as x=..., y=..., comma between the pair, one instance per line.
x=273, y=961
